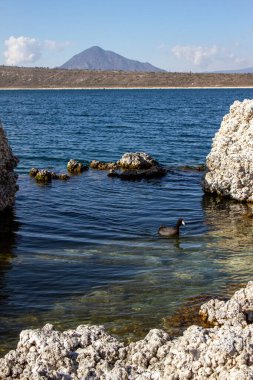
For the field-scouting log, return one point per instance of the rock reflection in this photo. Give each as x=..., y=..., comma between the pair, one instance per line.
x=230, y=221
x=8, y=229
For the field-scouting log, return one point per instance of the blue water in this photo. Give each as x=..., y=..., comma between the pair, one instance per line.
x=87, y=250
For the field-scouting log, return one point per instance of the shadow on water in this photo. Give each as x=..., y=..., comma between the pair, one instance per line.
x=8, y=239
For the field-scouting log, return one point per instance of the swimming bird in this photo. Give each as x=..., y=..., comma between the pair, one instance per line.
x=171, y=231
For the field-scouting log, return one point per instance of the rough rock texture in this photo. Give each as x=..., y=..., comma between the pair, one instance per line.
x=76, y=167
x=131, y=166
x=137, y=160
x=236, y=311
x=129, y=161
x=230, y=162
x=223, y=352
x=45, y=176
x=8, y=178
x=101, y=165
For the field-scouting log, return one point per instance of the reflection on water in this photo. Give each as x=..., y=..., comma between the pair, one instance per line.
x=230, y=224
x=231, y=234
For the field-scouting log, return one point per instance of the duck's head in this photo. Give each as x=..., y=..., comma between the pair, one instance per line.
x=180, y=222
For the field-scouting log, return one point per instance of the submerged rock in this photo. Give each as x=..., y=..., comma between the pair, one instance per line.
x=88, y=352
x=197, y=168
x=131, y=166
x=8, y=178
x=61, y=176
x=156, y=171
x=230, y=162
x=76, y=167
x=101, y=165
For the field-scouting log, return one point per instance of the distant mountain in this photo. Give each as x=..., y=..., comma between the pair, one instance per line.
x=96, y=58
x=248, y=70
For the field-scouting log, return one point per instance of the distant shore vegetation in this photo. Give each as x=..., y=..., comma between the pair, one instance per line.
x=43, y=77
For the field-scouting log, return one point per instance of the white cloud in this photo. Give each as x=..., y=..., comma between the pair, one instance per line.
x=21, y=50
x=54, y=45
x=206, y=56
x=24, y=50
x=198, y=55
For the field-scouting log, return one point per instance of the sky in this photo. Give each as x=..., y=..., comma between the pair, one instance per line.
x=175, y=35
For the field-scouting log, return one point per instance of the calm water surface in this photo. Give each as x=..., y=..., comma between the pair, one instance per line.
x=87, y=250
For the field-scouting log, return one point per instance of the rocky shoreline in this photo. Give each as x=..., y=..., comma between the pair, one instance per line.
x=223, y=351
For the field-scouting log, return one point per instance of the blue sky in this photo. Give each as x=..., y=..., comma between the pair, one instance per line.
x=176, y=35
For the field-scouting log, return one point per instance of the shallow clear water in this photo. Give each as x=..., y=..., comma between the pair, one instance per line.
x=87, y=250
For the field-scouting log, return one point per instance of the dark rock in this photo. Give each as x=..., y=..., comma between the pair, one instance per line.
x=101, y=165
x=8, y=178
x=197, y=168
x=132, y=174
x=63, y=177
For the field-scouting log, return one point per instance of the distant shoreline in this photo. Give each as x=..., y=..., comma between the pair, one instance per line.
x=37, y=78
x=120, y=88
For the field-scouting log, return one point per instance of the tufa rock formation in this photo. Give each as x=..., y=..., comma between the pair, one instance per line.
x=230, y=162
x=44, y=176
x=76, y=167
x=221, y=352
x=101, y=165
x=137, y=160
x=8, y=178
x=131, y=166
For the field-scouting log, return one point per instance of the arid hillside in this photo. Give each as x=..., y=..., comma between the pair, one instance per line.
x=20, y=77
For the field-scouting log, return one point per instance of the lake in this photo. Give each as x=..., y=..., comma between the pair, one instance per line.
x=87, y=250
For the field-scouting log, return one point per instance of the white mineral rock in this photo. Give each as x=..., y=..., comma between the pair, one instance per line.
x=223, y=352
x=137, y=160
x=230, y=162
